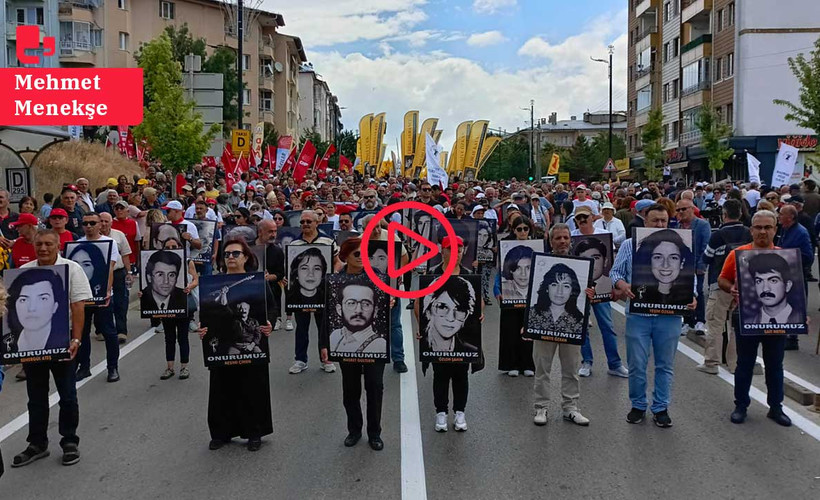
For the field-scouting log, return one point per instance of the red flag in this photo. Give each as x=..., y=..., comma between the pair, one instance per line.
x=345, y=165
x=290, y=162
x=269, y=159
x=209, y=161
x=326, y=157
x=180, y=182
x=306, y=158
x=130, y=146
x=242, y=165
x=123, y=140
x=228, y=161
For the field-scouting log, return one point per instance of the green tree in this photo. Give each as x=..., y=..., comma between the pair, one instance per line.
x=600, y=151
x=807, y=113
x=713, y=135
x=510, y=159
x=174, y=131
x=183, y=43
x=223, y=60
x=652, y=139
x=579, y=160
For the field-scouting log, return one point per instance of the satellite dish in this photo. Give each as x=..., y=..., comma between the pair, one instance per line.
x=278, y=67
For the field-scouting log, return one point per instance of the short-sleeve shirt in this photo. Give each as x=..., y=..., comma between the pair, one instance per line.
x=65, y=237
x=115, y=253
x=22, y=252
x=79, y=289
x=319, y=240
x=729, y=271
x=129, y=228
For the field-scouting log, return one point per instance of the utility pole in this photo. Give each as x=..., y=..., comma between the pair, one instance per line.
x=532, y=133
x=609, y=64
x=240, y=34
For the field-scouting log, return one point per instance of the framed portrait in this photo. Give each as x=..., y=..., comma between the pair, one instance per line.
x=342, y=236
x=450, y=320
x=35, y=326
x=597, y=247
x=469, y=174
x=286, y=234
x=292, y=217
x=163, y=278
x=558, y=310
x=377, y=253
x=514, y=266
x=486, y=240
x=326, y=229
x=94, y=257
x=233, y=309
x=467, y=230
x=358, y=218
x=260, y=254
x=772, y=293
x=423, y=225
x=161, y=231
x=357, y=319
x=663, y=271
x=206, y=230
x=234, y=232
x=307, y=269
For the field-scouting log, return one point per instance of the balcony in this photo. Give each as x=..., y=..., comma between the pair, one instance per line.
x=690, y=138
x=11, y=30
x=265, y=81
x=643, y=77
x=68, y=47
x=266, y=46
x=646, y=6
x=266, y=115
x=695, y=10
x=695, y=96
x=697, y=42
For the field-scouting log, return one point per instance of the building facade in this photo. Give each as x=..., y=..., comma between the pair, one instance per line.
x=318, y=107
x=40, y=13
x=564, y=133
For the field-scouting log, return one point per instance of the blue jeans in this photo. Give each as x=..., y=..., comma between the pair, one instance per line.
x=204, y=268
x=303, y=333
x=120, y=300
x=38, y=409
x=396, y=336
x=663, y=333
x=603, y=315
x=103, y=318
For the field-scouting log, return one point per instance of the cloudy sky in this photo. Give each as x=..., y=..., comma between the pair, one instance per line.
x=462, y=59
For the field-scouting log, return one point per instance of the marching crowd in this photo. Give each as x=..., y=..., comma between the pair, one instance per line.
x=722, y=217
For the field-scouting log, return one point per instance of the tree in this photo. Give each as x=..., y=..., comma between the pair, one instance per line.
x=713, y=135
x=652, y=139
x=173, y=130
x=183, y=43
x=807, y=113
x=510, y=159
x=600, y=150
x=579, y=160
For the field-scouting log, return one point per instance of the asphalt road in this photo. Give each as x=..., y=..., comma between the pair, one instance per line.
x=147, y=438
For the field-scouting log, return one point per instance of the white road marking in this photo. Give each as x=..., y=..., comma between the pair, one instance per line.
x=18, y=423
x=798, y=420
x=413, y=478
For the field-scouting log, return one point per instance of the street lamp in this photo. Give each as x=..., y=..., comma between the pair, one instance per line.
x=532, y=134
x=609, y=64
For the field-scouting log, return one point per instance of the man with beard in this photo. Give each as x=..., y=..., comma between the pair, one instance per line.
x=356, y=307
x=369, y=200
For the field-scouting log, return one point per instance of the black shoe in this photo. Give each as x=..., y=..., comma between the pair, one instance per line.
x=254, y=444
x=113, y=375
x=376, y=443
x=738, y=416
x=811, y=278
x=352, y=439
x=487, y=301
x=780, y=417
x=71, y=455
x=216, y=444
x=662, y=419
x=21, y=375
x=30, y=454
x=635, y=416
x=399, y=367
x=791, y=344
x=83, y=373
x=410, y=304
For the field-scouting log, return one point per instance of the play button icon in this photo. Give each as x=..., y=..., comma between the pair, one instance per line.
x=391, y=249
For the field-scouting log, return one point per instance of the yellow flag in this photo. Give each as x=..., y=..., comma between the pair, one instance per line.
x=428, y=127
x=555, y=164
x=474, y=144
x=490, y=143
x=365, y=131
x=378, y=128
x=462, y=136
x=451, y=160
x=411, y=127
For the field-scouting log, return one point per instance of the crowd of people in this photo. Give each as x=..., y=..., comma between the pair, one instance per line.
x=252, y=210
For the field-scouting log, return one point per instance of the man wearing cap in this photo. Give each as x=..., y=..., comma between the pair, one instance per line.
x=108, y=206
x=445, y=254
x=640, y=216
x=608, y=222
x=176, y=213
x=57, y=220
x=83, y=197
x=582, y=200
x=22, y=251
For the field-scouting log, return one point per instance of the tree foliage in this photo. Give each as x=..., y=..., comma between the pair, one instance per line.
x=174, y=131
x=713, y=135
x=510, y=159
x=806, y=114
x=652, y=139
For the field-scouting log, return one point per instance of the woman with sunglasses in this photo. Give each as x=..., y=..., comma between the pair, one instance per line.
x=514, y=353
x=239, y=396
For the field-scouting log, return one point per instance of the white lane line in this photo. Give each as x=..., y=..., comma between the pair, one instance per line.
x=798, y=420
x=18, y=423
x=413, y=479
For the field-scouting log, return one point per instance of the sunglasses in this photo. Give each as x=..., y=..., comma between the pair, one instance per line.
x=305, y=222
x=369, y=197
x=89, y=223
x=683, y=209
x=278, y=218
x=522, y=229
x=581, y=218
x=234, y=254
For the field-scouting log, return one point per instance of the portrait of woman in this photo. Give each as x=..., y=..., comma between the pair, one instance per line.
x=378, y=256
x=663, y=269
x=515, y=272
x=556, y=306
x=94, y=261
x=444, y=324
x=307, y=271
x=37, y=315
x=485, y=242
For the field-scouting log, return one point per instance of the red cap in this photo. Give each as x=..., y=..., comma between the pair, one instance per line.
x=25, y=219
x=250, y=188
x=306, y=194
x=58, y=212
x=445, y=243
x=210, y=201
x=632, y=205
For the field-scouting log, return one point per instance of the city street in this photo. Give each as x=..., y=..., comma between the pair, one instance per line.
x=147, y=438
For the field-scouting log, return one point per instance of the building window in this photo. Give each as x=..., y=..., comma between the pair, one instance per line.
x=665, y=93
x=265, y=100
x=666, y=52
x=644, y=98
x=718, y=69
x=31, y=15
x=667, y=11
x=696, y=76
x=666, y=132
x=96, y=38
x=123, y=40
x=730, y=18
x=246, y=97
x=246, y=62
x=166, y=10
x=730, y=65
x=720, y=17
x=730, y=116
x=675, y=47
x=675, y=128
x=121, y=4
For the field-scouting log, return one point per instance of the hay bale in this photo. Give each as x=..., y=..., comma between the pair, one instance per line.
x=68, y=161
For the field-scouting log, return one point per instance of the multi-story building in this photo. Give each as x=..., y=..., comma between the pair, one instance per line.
x=727, y=54
x=318, y=107
x=564, y=133
x=40, y=13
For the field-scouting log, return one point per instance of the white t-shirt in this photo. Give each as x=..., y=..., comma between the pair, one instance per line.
x=189, y=228
x=190, y=213
x=115, y=252
x=79, y=289
x=122, y=246
x=753, y=196
x=592, y=204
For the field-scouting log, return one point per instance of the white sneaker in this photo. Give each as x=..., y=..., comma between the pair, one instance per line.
x=328, y=367
x=159, y=328
x=278, y=325
x=621, y=371
x=710, y=369
x=540, y=416
x=460, y=423
x=441, y=422
x=576, y=418
x=288, y=325
x=512, y=373
x=585, y=370
x=529, y=373
x=684, y=329
x=700, y=328
x=298, y=367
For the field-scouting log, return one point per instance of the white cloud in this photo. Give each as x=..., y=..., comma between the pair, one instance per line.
x=491, y=6
x=487, y=38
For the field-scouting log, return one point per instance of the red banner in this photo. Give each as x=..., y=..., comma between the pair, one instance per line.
x=130, y=147
x=325, y=158
x=269, y=159
x=228, y=161
x=122, y=142
x=209, y=161
x=345, y=165
x=290, y=161
x=306, y=158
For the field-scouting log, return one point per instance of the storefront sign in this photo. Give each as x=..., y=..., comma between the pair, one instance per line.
x=801, y=142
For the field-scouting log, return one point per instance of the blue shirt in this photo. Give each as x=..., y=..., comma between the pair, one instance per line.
x=701, y=232
x=796, y=237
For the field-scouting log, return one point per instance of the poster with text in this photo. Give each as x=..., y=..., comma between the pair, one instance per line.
x=94, y=257
x=163, y=279
x=450, y=320
x=307, y=269
x=357, y=319
x=663, y=271
x=514, y=267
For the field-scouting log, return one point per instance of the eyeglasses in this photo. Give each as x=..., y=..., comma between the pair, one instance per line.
x=305, y=222
x=581, y=218
x=234, y=254
x=522, y=229
x=89, y=223
x=369, y=197
x=443, y=310
x=351, y=304
x=278, y=218
x=682, y=209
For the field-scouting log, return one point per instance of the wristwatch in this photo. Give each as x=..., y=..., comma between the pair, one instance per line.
x=76, y=341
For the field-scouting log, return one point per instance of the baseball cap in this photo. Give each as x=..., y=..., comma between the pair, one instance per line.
x=796, y=199
x=580, y=186
x=187, y=187
x=608, y=206
x=210, y=201
x=200, y=190
x=173, y=205
x=122, y=203
x=643, y=204
x=142, y=182
x=512, y=206
x=111, y=181
x=200, y=180
x=477, y=208
x=58, y=212
x=25, y=219
x=236, y=187
x=583, y=210
x=445, y=242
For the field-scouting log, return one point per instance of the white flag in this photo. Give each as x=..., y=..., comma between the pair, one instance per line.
x=435, y=174
x=754, y=168
x=784, y=165
x=76, y=132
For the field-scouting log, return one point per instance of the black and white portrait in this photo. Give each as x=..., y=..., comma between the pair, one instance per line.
x=486, y=241
x=234, y=232
x=162, y=231
x=233, y=308
x=378, y=257
x=469, y=174
x=35, y=326
x=292, y=217
x=94, y=257
x=342, y=236
x=515, y=265
x=663, y=271
x=423, y=226
x=358, y=218
x=558, y=308
x=286, y=234
x=357, y=319
x=450, y=320
x=467, y=230
x=307, y=268
x=206, y=230
x=260, y=254
x=770, y=283
x=326, y=229
x=597, y=247
x=162, y=284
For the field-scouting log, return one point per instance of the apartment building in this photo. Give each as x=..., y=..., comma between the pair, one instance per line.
x=41, y=13
x=730, y=54
x=318, y=107
x=564, y=133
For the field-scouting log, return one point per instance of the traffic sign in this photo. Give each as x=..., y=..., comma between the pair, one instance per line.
x=18, y=183
x=241, y=141
x=391, y=271
x=563, y=177
x=610, y=166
